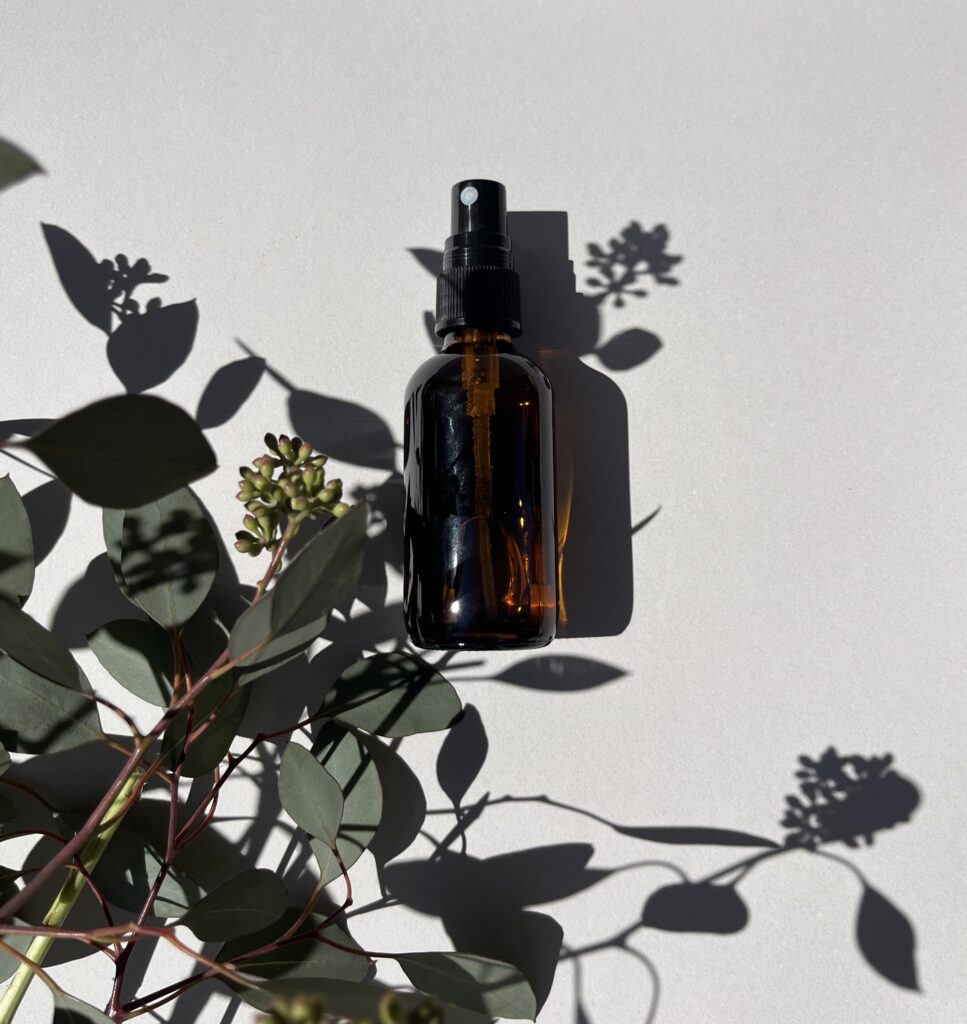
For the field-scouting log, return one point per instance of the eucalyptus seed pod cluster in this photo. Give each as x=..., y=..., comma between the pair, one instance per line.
x=285, y=486
x=305, y=1009
x=301, y=1009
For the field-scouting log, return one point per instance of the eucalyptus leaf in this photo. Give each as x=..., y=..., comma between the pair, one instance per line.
x=8, y=963
x=36, y=648
x=210, y=747
x=348, y=759
x=15, y=164
x=205, y=639
x=310, y=795
x=112, y=528
x=125, y=451
x=7, y=813
x=38, y=716
x=300, y=967
x=138, y=655
x=393, y=695
x=472, y=982
x=68, y=1010
x=128, y=868
x=245, y=903
x=16, y=544
x=169, y=557
x=295, y=610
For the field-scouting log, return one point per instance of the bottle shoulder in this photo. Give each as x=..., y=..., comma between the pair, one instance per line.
x=446, y=368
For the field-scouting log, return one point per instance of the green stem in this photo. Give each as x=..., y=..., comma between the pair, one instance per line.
x=66, y=898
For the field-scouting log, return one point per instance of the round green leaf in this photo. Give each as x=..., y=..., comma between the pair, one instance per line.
x=205, y=639
x=210, y=747
x=7, y=813
x=251, y=900
x=37, y=716
x=169, y=557
x=299, y=967
x=36, y=648
x=8, y=963
x=125, y=451
x=128, y=868
x=15, y=164
x=309, y=794
x=138, y=655
x=348, y=759
x=68, y=1010
x=294, y=612
x=16, y=545
x=393, y=695
x=473, y=982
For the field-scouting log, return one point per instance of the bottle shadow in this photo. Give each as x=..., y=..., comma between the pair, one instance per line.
x=595, y=559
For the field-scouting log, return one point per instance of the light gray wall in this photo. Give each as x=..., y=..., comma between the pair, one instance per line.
x=801, y=428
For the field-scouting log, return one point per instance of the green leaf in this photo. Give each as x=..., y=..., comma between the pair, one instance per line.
x=7, y=813
x=37, y=716
x=138, y=655
x=16, y=544
x=393, y=695
x=295, y=611
x=205, y=639
x=128, y=868
x=210, y=747
x=8, y=963
x=15, y=164
x=349, y=761
x=112, y=527
x=310, y=795
x=168, y=557
x=36, y=648
x=473, y=982
x=125, y=451
x=68, y=1010
x=246, y=903
x=301, y=967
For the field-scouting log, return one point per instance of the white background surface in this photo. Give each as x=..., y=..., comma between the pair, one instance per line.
x=802, y=428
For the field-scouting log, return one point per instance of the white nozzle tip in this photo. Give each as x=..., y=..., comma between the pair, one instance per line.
x=468, y=196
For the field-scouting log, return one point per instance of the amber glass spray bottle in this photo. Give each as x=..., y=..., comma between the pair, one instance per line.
x=478, y=465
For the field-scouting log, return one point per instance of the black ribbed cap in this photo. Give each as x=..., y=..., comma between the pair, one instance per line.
x=478, y=286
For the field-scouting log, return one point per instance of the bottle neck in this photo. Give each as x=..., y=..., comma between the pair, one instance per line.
x=477, y=339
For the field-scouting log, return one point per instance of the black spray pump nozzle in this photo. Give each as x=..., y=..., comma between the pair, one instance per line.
x=478, y=205
x=478, y=287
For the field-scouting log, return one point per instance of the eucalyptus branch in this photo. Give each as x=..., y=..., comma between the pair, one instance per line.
x=62, y=905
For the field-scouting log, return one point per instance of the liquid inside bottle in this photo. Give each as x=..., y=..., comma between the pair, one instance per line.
x=479, y=532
